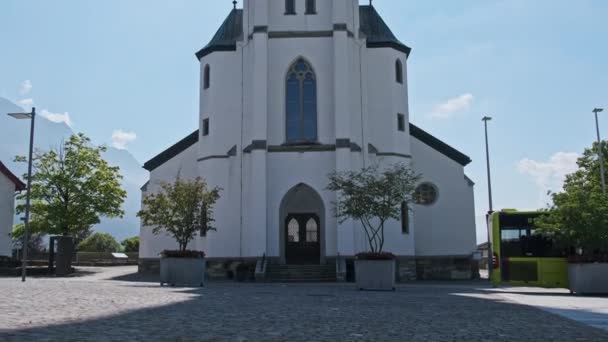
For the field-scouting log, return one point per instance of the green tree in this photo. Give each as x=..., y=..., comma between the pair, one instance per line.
x=181, y=209
x=130, y=245
x=72, y=187
x=99, y=242
x=578, y=216
x=373, y=196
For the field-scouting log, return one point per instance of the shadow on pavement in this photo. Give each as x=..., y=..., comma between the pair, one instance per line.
x=299, y=313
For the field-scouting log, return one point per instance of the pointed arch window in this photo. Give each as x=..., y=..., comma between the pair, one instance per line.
x=405, y=218
x=399, y=71
x=301, y=103
x=207, y=77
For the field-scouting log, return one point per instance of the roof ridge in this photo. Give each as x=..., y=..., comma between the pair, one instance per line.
x=19, y=185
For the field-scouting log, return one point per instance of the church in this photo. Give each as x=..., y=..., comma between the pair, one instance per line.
x=291, y=90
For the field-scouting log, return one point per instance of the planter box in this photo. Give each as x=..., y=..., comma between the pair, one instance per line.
x=588, y=278
x=376, y=275
x=182, y=271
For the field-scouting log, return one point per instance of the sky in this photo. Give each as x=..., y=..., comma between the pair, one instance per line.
x=124, y=73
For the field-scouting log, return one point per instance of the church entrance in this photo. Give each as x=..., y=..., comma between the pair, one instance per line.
x=302, y=231
x=302, y=245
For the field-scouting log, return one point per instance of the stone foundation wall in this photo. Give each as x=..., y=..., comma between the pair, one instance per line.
x=217, y=269
x=408, y=268
x=446, y=268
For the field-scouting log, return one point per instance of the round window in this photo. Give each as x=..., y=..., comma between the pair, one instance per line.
x=426, y=194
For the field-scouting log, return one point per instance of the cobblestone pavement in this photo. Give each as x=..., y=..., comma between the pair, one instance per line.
x=94, y=307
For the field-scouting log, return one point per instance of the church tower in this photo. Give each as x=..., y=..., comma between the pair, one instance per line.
x=291, y=91
x=299, y=83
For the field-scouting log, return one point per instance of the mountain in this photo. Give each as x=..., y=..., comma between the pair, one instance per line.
x=14, y=140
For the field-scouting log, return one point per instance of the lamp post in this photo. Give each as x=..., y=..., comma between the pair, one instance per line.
x=485, y=120
x=599, y=149
x=32, y=117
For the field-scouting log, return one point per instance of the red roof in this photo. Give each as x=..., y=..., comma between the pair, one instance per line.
x=19, y=185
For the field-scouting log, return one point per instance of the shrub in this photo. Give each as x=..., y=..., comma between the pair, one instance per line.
x=130, y=245
x=99, y=242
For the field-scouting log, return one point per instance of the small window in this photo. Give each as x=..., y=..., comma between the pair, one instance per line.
x=205, y=127
x=401, y=122
x=312, y=231
x=290, y=7
x=399, y=71
x=293, y=231
x=207, y=77
x=311, y=7
x=426, y=194
x=204, y=221
x=405, y=218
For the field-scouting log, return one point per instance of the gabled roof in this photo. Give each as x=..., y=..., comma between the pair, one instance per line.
x=225, y=38
x=19, y=185
x=172, y=151
x=439, y=145
x=378, y=34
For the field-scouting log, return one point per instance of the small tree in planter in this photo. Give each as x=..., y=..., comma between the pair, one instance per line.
x=578, y=219
x=373, y=196
x=182, y=209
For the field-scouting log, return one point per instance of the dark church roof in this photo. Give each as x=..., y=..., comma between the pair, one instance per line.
x=172, y=151
x=439, y=145
x=415, y=131
x=225, y=38
x=378, y=34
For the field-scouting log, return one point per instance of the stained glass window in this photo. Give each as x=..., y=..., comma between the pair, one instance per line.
x=301, y=103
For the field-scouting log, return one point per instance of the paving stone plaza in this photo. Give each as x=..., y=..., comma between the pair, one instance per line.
x=114, y=304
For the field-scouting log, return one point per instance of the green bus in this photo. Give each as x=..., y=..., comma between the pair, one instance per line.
x=520, y=256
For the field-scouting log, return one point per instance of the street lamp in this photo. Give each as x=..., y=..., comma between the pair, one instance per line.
x=485, y=120
x=32, y=117
x=599, y=149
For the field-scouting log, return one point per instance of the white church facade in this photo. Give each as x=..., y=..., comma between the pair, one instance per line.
x=291, y=91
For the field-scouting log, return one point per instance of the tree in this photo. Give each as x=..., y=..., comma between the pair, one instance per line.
x=181, y=209
x=373, y=196
x=72, y=187
x=130, y=245
x=578, y=216
x=99, y=242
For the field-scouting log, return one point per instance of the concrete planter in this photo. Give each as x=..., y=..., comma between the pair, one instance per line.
x=588, y=278
x=182, y=271
x=378, y=275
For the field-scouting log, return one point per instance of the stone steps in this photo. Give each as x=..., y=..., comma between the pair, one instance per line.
x=301, y=273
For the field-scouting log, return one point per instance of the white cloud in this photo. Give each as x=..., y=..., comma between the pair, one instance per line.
x=57, y=117
x=120, y=139
x=549, y=175
x=26, y=104
x=452, y=106
x=26, y=87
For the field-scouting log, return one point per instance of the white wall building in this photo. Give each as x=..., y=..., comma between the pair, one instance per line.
x=9, y=185
x=291, y=91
